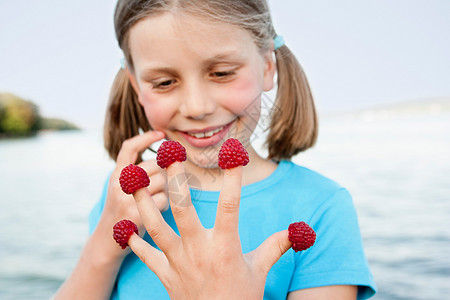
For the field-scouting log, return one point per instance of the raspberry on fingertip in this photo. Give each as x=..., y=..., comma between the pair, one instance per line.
x=133, y=178
x=122, y=231
x=232, y=154
x=170, y=152
x=301, y=235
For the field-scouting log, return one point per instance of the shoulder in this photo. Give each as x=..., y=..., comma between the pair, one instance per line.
x=323, y=193
x=297, y=193
x=304, y=173
x=314, y=197
x=308, y=181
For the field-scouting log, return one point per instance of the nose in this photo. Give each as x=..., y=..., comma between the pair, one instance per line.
x=197, y=102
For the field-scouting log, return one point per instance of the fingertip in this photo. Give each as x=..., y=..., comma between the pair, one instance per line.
x=281, y=238
x=156, y=135
x=284, y=240
x=284, y=233
x=159, y=133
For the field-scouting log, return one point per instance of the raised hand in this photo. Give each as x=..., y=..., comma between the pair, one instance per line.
x=204, y=263
x=119, y=205
x=96, y=272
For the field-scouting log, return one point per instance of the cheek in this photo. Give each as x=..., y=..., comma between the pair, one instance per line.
x=157, y=112
x=244, y=101
x=244, y=97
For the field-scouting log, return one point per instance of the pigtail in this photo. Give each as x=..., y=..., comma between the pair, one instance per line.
x=294, y=125
x=124, y=115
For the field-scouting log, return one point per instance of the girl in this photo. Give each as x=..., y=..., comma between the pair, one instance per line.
x=195, y=72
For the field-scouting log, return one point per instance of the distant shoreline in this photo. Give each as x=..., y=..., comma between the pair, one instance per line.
x=56, y=125
x=21, y=118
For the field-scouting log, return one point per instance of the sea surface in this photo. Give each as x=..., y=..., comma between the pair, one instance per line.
x=396, y=167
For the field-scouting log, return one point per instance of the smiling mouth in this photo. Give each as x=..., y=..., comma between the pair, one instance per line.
x=208, y=133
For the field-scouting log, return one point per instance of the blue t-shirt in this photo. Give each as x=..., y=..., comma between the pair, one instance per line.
x=290, y=194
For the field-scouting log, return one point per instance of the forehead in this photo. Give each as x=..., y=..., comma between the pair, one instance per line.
x=158, y=35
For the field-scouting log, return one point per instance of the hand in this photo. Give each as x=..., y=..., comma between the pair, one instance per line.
x=120, y=206
x=96, y=272
x=204, y=263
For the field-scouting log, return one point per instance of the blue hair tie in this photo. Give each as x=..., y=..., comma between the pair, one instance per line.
x=278, y=42
x=122, y=63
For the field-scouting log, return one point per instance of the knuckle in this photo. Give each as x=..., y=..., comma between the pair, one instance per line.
x=159, y=180
x=150, y=167
x=229, y=203
x=179, y=202
x=178, y=209
x=162, y=201
x=154, y=231
x=142, y=257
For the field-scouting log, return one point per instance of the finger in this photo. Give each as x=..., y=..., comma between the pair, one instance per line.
x=132, y=147
x=180, y=201
x=161, y=233
x=270, y=251
x=161, y=200
x=158, y=186
x=151, y=167
x=227, y=217
x=152, y=257
x=158, y=183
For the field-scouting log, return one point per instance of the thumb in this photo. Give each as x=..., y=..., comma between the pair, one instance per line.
x=270, y=251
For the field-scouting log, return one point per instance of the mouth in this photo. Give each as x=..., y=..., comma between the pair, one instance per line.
x=207, y=136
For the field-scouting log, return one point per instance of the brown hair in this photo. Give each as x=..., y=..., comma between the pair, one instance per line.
x=293, y=126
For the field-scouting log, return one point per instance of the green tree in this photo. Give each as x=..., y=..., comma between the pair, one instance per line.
x=18, y=116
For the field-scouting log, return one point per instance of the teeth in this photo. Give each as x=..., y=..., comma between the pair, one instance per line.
x=209, y=133
x=198, y=135
x=201, y=135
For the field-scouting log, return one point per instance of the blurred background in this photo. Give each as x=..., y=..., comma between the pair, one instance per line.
x=380, y=73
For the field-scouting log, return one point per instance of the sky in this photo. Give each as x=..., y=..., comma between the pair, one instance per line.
x=63, y=55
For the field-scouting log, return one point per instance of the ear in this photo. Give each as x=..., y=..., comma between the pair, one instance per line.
x=269, y=70
x=133, y=82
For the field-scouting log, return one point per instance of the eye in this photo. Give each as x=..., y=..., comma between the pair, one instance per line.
x=222, y=75
x=165, y=84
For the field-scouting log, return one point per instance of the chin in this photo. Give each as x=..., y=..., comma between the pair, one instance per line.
x=206, y=160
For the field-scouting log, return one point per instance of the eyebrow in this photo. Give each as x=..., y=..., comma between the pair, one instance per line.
x=225, y=56
x=230, y=56
x=150, y=70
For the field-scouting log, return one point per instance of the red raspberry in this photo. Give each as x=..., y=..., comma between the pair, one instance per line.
x=170, y=152
x=133, y=178
x=301, y=235
x=122, y=231
x=232, y=154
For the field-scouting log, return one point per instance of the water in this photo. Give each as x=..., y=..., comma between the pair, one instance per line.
x=48, y=184
x=396, y=169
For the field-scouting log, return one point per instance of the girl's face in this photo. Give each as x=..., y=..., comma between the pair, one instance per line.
x=199, y=82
